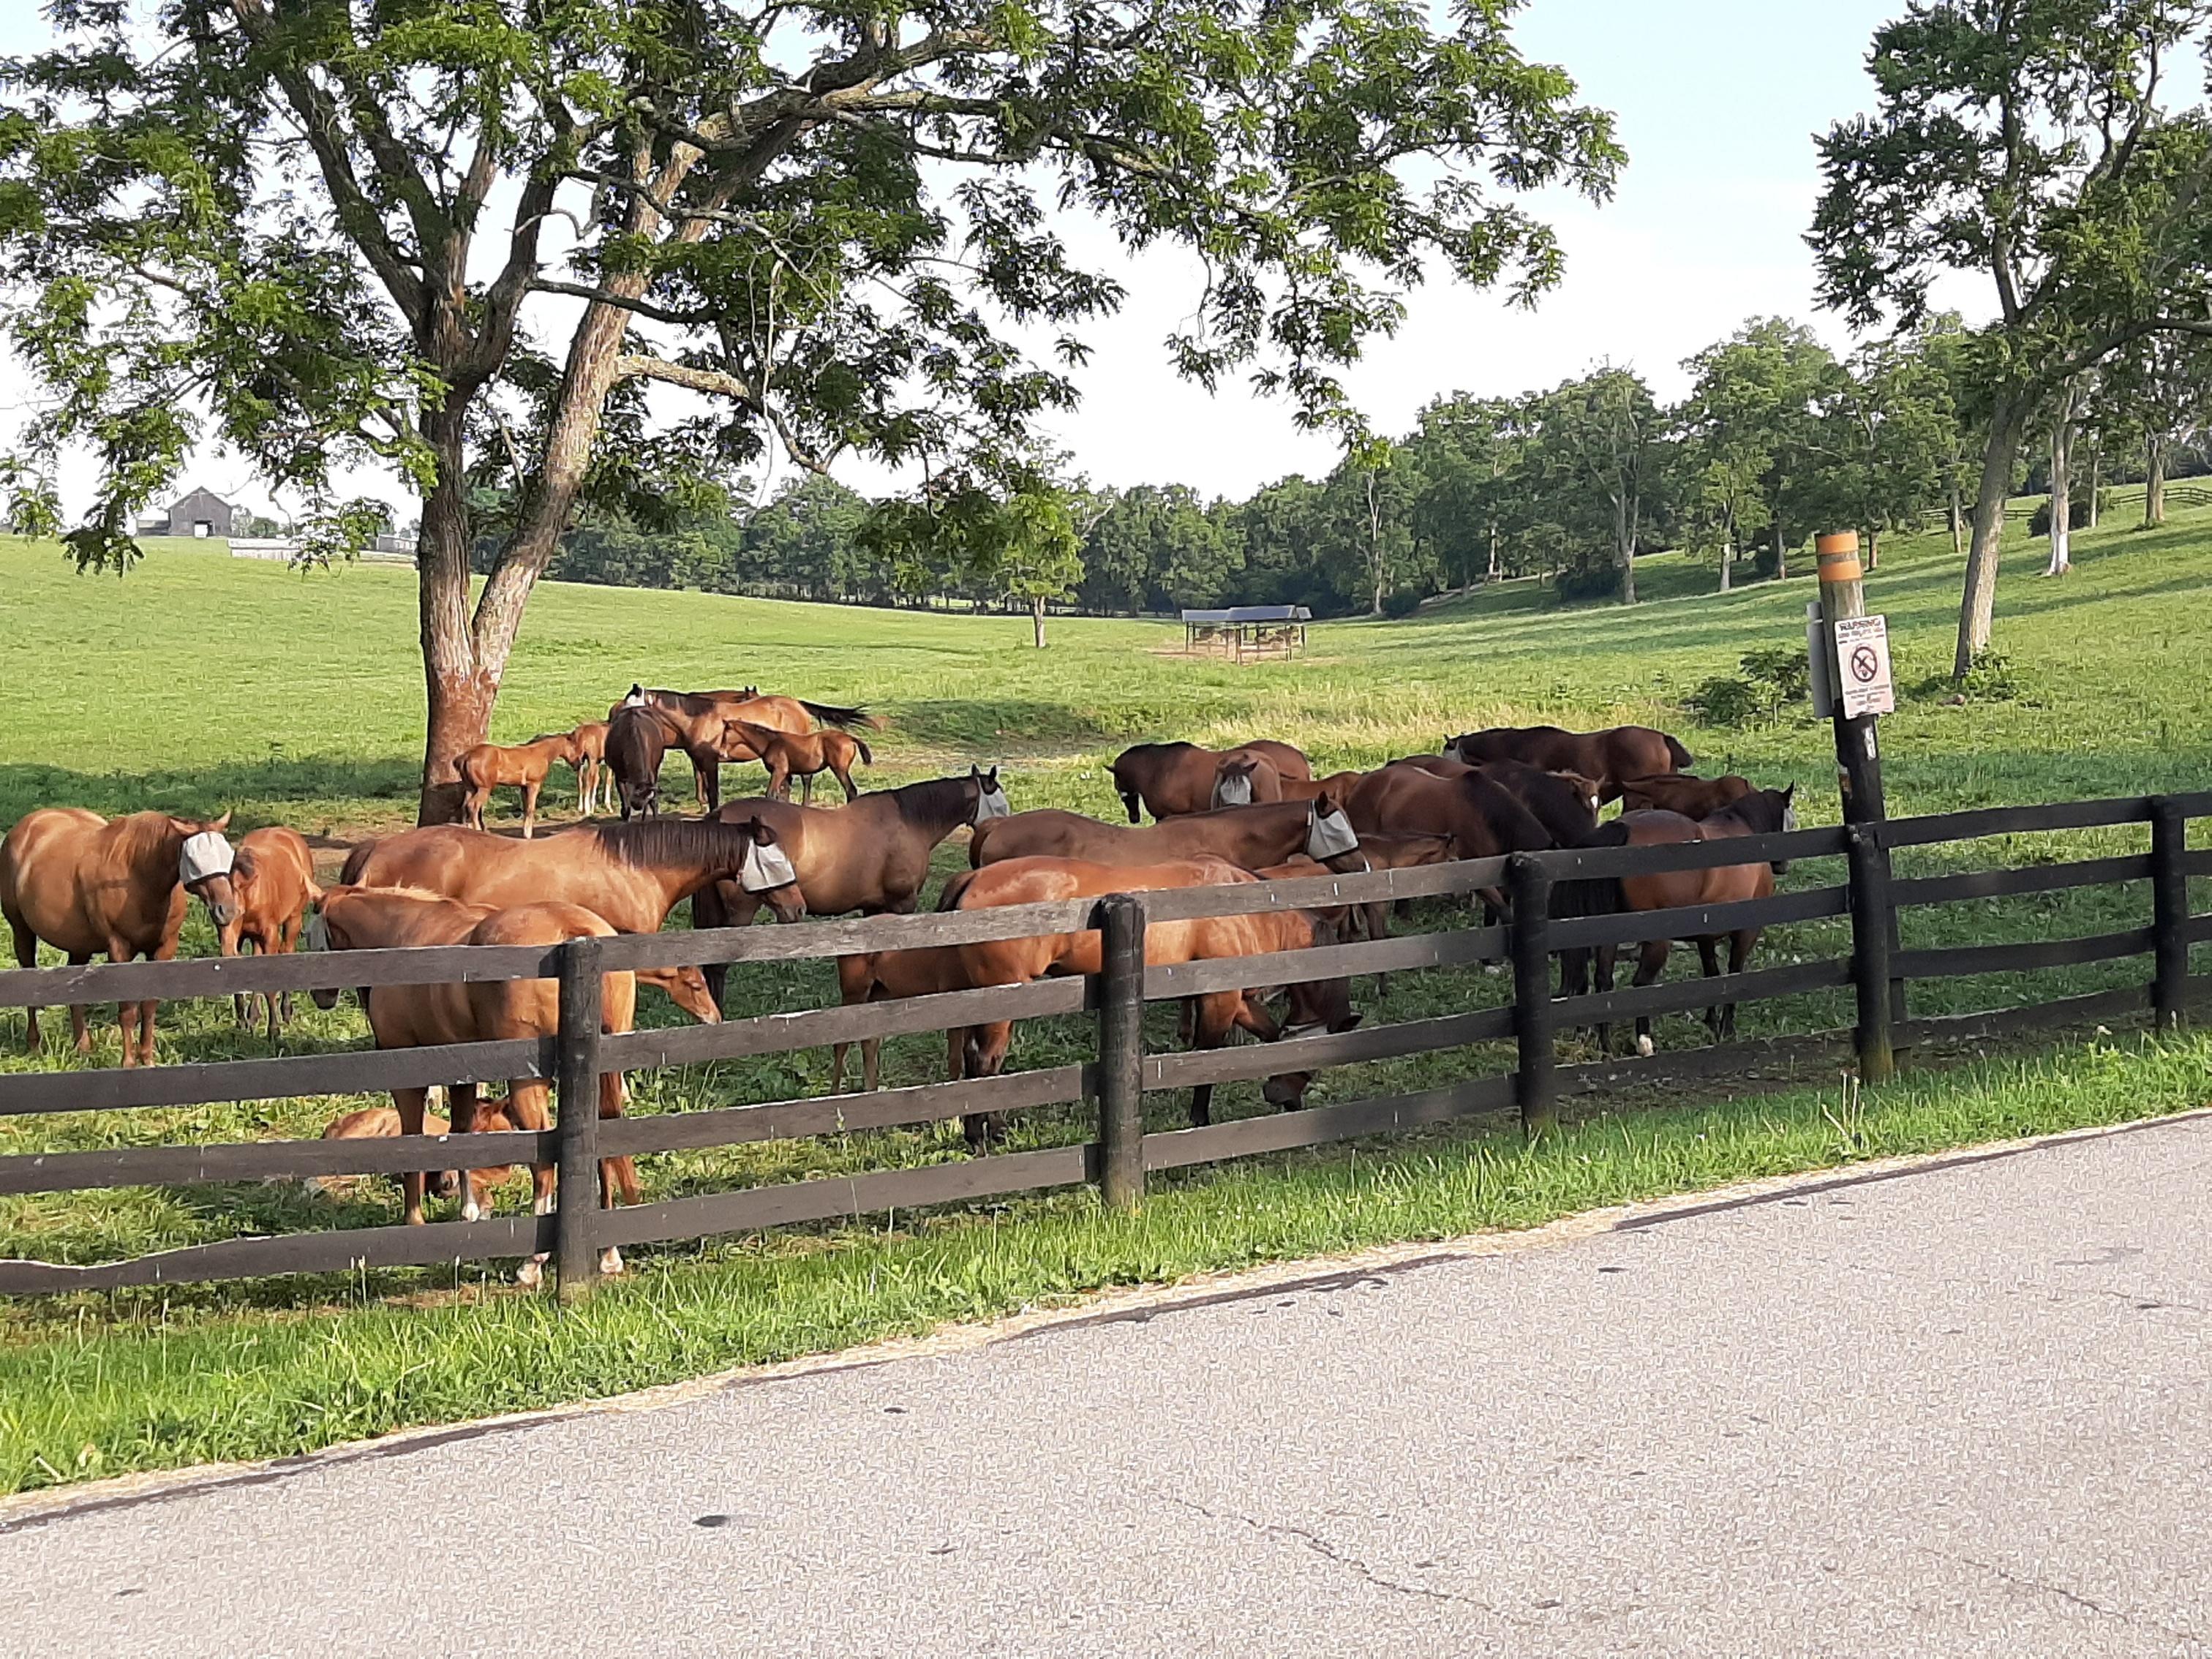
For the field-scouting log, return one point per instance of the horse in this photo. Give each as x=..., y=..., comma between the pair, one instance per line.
x=1249, y=837
x=1314, y=1006
x=1173, y=779
x=524, y=766
x=632, y=874
x=87, y=884
x=1761, y=812
x=804, y=753
x=1609, y=755
x=639, y=738
x=272, y=882
x=1483, y=817
x=590, y=762
x=872, y=856
x=1693, y=798
x=701, y=717
x=382, y=1123
x=1565, y=802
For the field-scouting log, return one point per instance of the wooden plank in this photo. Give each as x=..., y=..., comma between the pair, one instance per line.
x=2197, y=862
x=852, y=936
x=2032, y=878
x=1680, y=996
x=335, y=1252
x=2198, y=929
x=351, y=1071
x=2194, y=804
x=1188, y=979
x=1700, y=921
x=2129, y=999
x=1962, y=961
x=1176, y=1149
x=305, y=971
x=1588, y=861
x=2014, y=820
x=1323, y=892
x=1733, y=1061
x=787, y=1120
x=815, y=1027
x=267, y=1160
x=1338, y=1049
x=757, y=1207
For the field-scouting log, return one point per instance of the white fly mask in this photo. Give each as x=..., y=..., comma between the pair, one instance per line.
x=1312, y=1028
x=316, y=935
x=1329, y=834
x=1232, y=789
x=1788, y=818
x=765, y=868
x=991, y=803
x=635, y=700
x=205, y=854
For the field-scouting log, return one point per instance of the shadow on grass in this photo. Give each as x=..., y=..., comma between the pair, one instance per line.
x=209, y=790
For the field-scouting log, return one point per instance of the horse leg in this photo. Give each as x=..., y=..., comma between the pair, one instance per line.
x=709, y=778
x=618, y=1175
x=844, y=775
x=287, y=943
x=530, y=808
x=1605, y=956
x=807, y=789
x=525, y=1110
x=985, y=1056
x=1741, y=944
x=1708, y=957
x=410, y=1104
x=27, y=955
x=1650, y=963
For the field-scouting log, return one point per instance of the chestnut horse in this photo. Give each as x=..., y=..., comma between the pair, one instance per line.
x=524, y=766
x=87, y=884
x=802, y=754
x=382, y=1123
x=1761, y=812
x=872, y=856
x=592, y=782
x=1250, y=837
x=1314, y=1006
x=1172, y=778
x=1618, y=752
x=1693, y=798
x=272, y=882
x=701, y=717
x=632, y=874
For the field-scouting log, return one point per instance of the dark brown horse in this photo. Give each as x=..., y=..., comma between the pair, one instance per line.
x=1608, y=756
x=639, y=738
x=1762, y=812
x=87, y=884
x=1565, y=802
x=703, y=718
x=1482, y=817
x=1693, y=798
x=1250, y=837
x=1172, y=778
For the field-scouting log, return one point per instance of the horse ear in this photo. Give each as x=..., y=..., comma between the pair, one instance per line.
x=221, y=823
x=1789, y=792
x=1323, y=805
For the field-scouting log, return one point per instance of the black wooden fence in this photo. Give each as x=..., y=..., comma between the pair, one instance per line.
x=1117, y=1076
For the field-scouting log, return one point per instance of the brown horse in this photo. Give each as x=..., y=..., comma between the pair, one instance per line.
x=524, y=766
x=87, y=884
x=1482, y=817
x=639, y=738
x=1608, y=756
x=1693, y=798
x=1565, y=802
x=804, y=754
x=632, y=874
x=1318, y=1006
x=872, y=856
x=1250, y=837
x=272, y=882
x=591, y=763
x=1762, y=812
x=701, y=719
x=1172, y=778
x=382, y=1123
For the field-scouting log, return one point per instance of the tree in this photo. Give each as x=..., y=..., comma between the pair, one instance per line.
x=1751, y=425
x=1020, y=543
x=1605, y=426
x=2158, y=391
x=323, y=232
x=2024, y=139
x=1887, y=430
x=1466, y=451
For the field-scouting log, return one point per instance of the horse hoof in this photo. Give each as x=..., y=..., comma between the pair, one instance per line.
x=611, y=1261
x=530, y=1275
x=1643, y=1047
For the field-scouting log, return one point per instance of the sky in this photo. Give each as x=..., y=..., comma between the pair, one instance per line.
x=1717, y=103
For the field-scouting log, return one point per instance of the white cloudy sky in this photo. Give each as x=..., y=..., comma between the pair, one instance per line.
x=1717, y=101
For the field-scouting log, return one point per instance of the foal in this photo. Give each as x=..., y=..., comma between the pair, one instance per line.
x=804, y=754
x=525, y=766
x=272, y=878
x=592, y=781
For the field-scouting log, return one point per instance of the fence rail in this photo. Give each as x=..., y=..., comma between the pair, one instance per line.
x=1530, y=1077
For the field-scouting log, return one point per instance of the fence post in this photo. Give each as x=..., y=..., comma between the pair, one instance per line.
x=2169, y=893
x=1122, y=1051
x=1537, y=1084
x=1872, y=918
x=576, y=1071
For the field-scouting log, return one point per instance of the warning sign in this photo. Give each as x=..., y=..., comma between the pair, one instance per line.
x=1863, y=662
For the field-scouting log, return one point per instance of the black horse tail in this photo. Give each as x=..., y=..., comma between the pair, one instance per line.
x=356, y=862
x=1592, y=896
x=949, y=898
x=866, y=759
x=1683, y=759
x=1130, y=798
x=845, y=718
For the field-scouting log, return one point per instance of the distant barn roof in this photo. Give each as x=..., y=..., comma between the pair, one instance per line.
x=1251, y=613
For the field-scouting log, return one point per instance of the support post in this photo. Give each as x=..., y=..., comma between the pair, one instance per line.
x=1537, y=1084
x=1858, y=754
x=1122, y=1051
x=2169, y=892
x=1873, y=914
x=576, y=1046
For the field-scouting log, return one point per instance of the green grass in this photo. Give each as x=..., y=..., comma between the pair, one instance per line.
x=201, y=682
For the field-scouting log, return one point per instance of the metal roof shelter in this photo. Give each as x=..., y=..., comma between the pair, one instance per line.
x=1247, y=630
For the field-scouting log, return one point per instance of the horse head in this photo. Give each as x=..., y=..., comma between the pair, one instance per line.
x=204, y=862
x=1329, y=834
x=1232, y=780
x=990, y=800
x=1316, y=1008
x=765, y=871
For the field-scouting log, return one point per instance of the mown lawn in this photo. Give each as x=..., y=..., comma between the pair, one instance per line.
x=200, y=683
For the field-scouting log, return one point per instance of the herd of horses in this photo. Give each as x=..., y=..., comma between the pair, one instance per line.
x=86, y=886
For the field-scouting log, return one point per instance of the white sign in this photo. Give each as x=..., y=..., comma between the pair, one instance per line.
x=1862, y=666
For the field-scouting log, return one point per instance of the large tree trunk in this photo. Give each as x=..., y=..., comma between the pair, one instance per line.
x=2062, y=487
x=458, y=693
x=1978, y=600
x=1036, y=619
x=1872, y=536
x=1958, y=522
x=1727, y=558
x=2154, y=480
x=1781, y=558
x=2096, y=479
x=1624, y=548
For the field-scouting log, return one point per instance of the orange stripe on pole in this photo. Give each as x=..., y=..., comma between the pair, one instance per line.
x=1838, y=556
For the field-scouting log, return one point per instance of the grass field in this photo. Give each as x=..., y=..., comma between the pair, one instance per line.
x=201, y=682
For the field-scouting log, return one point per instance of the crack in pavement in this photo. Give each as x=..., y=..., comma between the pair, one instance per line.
x=1328, y=1552
x=2023, y=1582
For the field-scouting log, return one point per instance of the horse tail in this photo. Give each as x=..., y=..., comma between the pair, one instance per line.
x=949, y=898
x=1683, y=759
x=356, y=863
x=1592, y=896
x=866, y=759
x=1131, y=799
x=831, y=714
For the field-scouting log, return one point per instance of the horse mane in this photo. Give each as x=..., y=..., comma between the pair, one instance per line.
x=691, y=703
x=935, y=801
x=655, y=843
x=147, y=838
x=1765, y=803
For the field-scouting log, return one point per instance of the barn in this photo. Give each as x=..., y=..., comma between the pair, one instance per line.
x=196, y=513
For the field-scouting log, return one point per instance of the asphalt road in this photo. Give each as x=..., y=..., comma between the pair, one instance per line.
x=1964, y=1409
